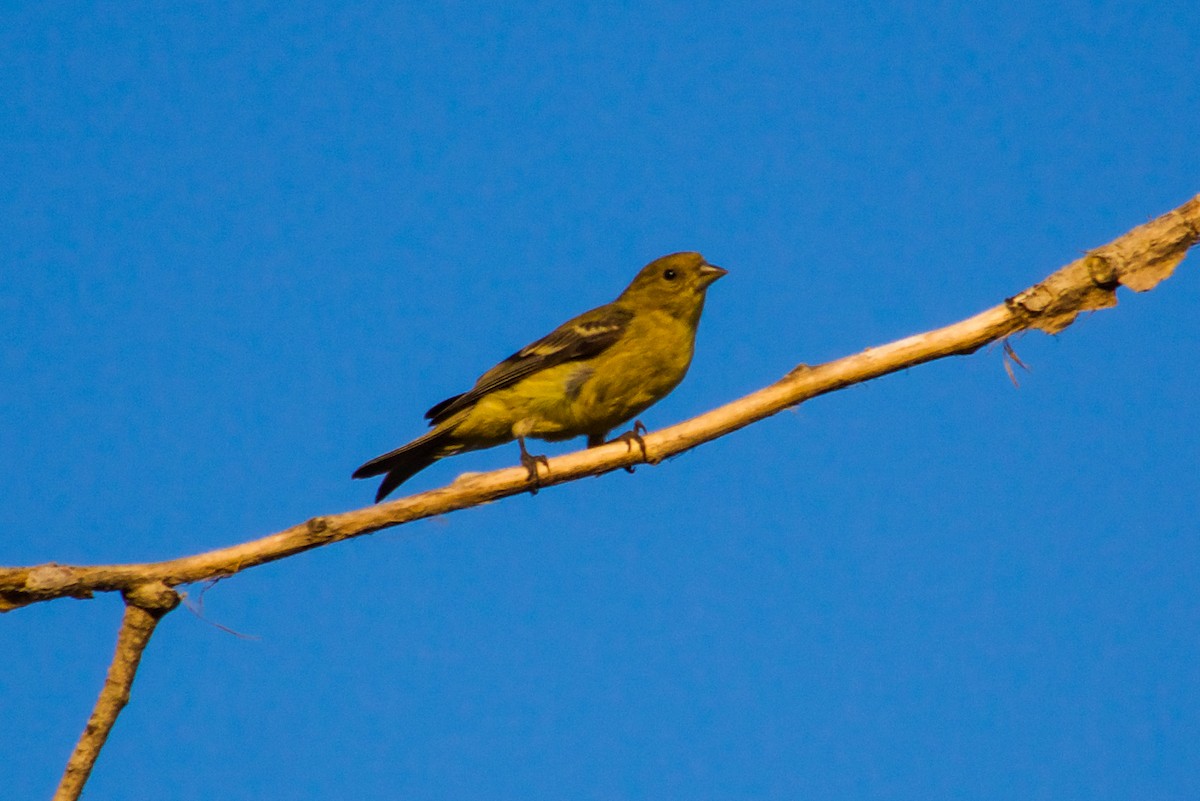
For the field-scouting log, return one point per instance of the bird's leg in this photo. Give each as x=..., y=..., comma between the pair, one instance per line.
x=530, y=463
x=631, y=436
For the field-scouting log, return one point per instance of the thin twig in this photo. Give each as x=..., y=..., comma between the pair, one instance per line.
x=1138, y=260
x=144, y=607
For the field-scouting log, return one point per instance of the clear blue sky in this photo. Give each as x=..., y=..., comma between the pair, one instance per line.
x=245, y=247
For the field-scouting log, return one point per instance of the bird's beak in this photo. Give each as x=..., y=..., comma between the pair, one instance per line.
x=710, y=273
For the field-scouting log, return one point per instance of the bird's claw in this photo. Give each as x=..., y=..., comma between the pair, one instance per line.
x=631, y=436
x=530, y=462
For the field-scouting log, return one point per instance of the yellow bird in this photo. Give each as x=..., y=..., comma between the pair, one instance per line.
x=585, y=378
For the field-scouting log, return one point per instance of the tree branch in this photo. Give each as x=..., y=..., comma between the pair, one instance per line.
x=144, y=607
x=1138, y=260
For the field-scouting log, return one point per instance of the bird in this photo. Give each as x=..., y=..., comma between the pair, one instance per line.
x=590, y=375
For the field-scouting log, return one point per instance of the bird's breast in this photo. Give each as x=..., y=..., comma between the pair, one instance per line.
x=639, y=370
x=591, y=396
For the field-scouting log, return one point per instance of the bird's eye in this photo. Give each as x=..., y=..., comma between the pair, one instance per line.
x=669, y=275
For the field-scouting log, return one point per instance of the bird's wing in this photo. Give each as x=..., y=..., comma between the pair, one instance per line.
x=584, y=337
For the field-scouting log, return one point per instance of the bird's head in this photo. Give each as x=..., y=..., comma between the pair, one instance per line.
x=675, y=284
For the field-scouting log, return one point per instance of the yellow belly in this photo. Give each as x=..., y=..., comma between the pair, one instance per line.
x=586, y=398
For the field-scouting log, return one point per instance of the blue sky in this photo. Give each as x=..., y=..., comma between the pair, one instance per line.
x=247, y=246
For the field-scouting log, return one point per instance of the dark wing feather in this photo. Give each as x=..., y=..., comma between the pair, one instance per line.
x=435, y=412
x=584, y=337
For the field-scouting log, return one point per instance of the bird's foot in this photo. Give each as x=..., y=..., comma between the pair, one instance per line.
x=631, y=436
x=530, y=462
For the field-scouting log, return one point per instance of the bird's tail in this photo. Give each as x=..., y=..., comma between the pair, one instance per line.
x=406, y=461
